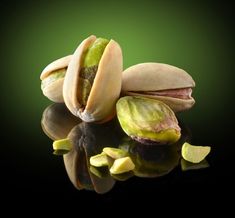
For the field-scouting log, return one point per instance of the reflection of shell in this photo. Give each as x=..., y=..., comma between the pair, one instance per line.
x=106, y=87
x=54, y=91
x=147, y=77
x=57, y=121
x=85, y=144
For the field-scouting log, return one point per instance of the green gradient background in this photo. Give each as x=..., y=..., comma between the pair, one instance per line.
x=195, y=36
x=190, y=36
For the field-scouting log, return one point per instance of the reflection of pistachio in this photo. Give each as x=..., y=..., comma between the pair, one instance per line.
x=92, y=82
x=147, y=120
x=193, y=153
x=57, y=121
x=53, y=78
x=122, y=165
x=185, y=165
x=164, y=82
x=88, y=140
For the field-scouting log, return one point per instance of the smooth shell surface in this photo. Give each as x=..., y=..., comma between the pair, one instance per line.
x=106, y=86
x=146, y=77
x=54, y=90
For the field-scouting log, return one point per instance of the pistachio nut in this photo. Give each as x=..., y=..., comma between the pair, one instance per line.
x=164, y=82
x=53, y=78
x=148, y=120
x=92, y=82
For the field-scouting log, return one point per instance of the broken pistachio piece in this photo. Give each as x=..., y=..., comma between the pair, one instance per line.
x=52, y=78
x=62, y=144
x=163, y=82
x=148, y=120
x=99, y=160
x=194, y=154
x=92, y=82
x=114, y=153
x=122, y=165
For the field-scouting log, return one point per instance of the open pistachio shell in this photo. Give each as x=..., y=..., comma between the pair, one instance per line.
x=148, y=120
x=106, y=87
x=53, y=78
x=164, y=82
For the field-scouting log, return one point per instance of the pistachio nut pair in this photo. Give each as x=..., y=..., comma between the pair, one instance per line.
x=163, y=82
x=89, y=81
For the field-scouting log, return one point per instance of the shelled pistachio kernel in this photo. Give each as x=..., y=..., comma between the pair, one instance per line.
x=122, y=165
x=114, y=153
x=62, y=144
x=99, y=160
x=194, y=154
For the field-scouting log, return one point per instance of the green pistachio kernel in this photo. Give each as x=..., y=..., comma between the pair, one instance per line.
x=194, y=154
x=95, y=52
x=90, y=65
x=99, y=160
x=122, y=165
x=147, y=120
x=54, y=76
x=62, y=144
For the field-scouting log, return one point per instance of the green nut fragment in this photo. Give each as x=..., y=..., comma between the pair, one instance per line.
x=90, y=66
x=115, y=153
x=99, y=160
x=54, y=76
x=95, y=52
x=62, y=144
x=194, y=154
x=185, y=165
x=122, y=165
x=148, y=120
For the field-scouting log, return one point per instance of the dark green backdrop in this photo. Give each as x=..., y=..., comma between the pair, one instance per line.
x=193, y=35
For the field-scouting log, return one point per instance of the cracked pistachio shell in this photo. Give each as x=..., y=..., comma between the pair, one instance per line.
x=106, y=87
x=146, y=78
x=148, y=120
x=52, y=78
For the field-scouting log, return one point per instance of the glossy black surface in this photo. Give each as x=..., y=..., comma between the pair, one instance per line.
x=29, y=170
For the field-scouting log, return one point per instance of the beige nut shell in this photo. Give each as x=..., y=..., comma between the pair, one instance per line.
x=106, y=87
x=155, y=77
x=54, y=91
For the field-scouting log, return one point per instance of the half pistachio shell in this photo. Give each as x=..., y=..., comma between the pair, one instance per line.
x=53, y=78
x=148, y=121
x=106, y=87
x=164, y=82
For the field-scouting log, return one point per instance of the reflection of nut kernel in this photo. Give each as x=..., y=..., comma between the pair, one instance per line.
x=99, y=160
x=122, y=165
